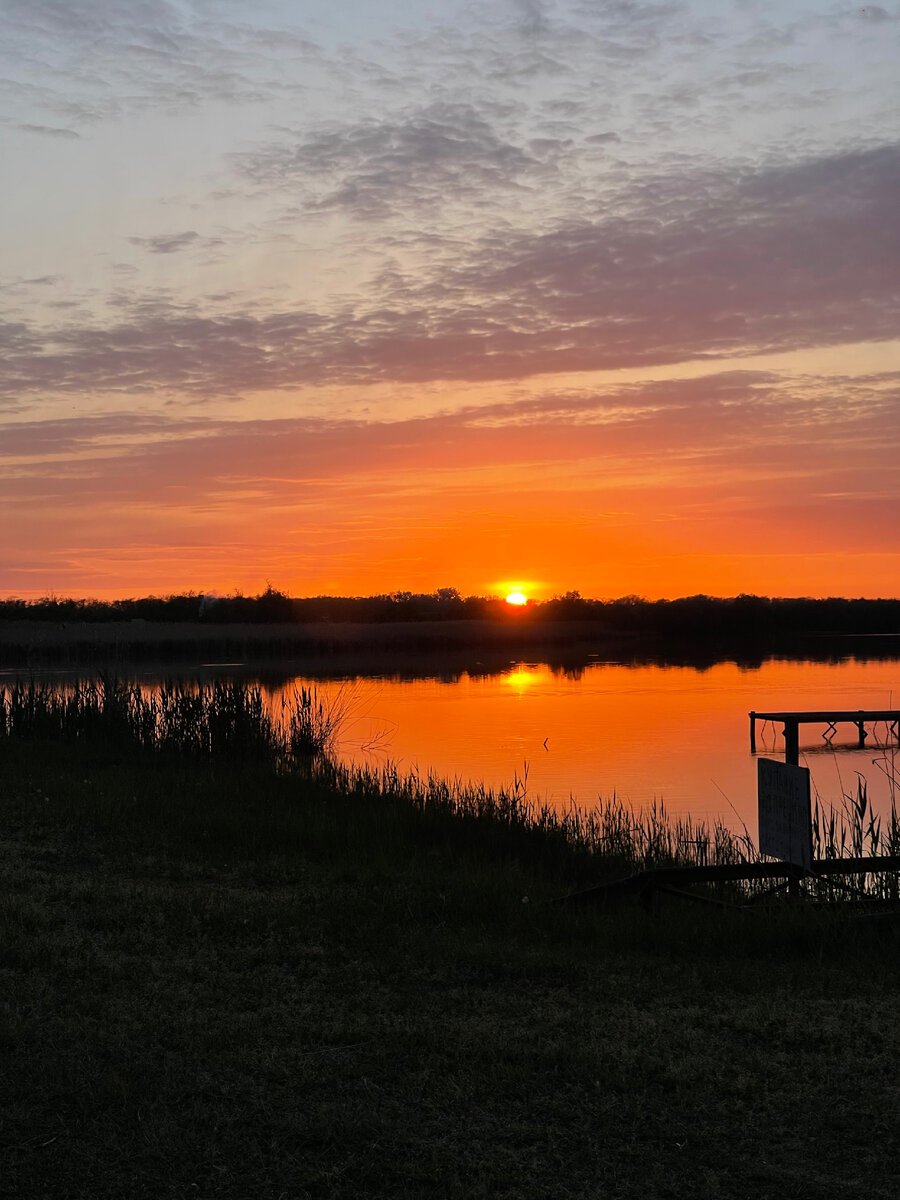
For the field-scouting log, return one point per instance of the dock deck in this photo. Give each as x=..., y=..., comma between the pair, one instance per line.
x=831, y=718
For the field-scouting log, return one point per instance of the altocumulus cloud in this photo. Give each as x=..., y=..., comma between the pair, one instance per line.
x=689, y=265
x=94, y=60
x=444, y=153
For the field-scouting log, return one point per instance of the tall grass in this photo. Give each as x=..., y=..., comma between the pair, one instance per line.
x=854, y=830
x=612, y=833
x=228, y=719
x=226, y=722
x=311, y=723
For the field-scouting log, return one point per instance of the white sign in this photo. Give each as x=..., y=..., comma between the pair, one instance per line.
x=785, y=823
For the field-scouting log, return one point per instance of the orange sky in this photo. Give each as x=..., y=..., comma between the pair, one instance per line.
x=558, y=295
x=739, y=482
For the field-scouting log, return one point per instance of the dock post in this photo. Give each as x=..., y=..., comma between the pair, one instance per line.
x=753, y=733
x=792, y=742
x=861, y=726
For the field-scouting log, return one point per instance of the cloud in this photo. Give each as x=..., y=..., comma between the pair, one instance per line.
x=20, y=283
x=689, y=266
x=764, y=415
x=533, y=17
x=49, y=131
x=445, y=153
x=703, y=264
x=875, y=13
x=760, y=460
x=753, y=446
x=166, y=243
x=84, y=20
x=91, y=60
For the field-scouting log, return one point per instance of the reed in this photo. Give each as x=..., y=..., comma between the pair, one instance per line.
x=226, y=724
x=223, y=718
x=854, y=830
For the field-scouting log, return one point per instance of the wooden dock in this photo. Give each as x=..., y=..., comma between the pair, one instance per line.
x=676, y=880
x=831, y=718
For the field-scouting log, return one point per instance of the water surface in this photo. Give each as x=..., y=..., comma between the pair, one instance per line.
x=650, y=732
x=643, y=732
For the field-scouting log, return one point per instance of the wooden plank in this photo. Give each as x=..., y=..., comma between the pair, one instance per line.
x=785, y=821
x=831, y=714
x=645, y=881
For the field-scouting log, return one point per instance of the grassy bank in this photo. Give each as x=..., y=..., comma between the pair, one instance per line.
x=229, y=971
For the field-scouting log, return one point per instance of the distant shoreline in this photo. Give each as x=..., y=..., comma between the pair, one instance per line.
x=395, y=646
x=40, y=643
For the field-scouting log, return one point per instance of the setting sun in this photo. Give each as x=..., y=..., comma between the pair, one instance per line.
x=516, y=598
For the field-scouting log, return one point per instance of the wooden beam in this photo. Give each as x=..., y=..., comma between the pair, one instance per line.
x=792, y=742
x=814, y=716
x=644, y=881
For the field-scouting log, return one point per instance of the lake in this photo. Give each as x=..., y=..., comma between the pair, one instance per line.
x=644, y=732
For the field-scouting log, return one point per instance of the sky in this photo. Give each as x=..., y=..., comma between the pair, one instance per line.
x=359, y=297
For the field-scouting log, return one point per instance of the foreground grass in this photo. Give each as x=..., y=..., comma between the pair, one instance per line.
x=219, y=980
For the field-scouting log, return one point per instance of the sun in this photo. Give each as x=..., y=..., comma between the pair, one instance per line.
x=516, y=598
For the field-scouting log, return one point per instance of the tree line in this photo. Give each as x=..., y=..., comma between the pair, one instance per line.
x=692, y=618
